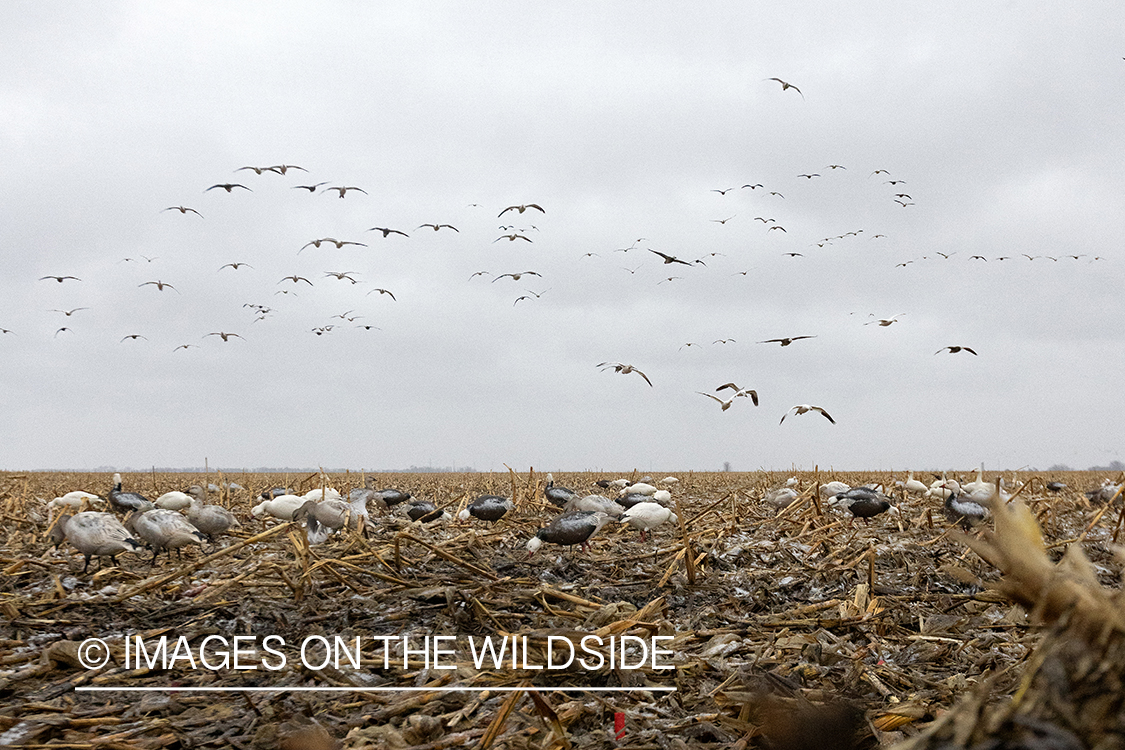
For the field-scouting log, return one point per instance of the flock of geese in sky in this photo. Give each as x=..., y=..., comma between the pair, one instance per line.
x=519, y=234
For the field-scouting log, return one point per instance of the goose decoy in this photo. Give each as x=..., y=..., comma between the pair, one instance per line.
x=126, y=501
x=912, y=485
x=1103, y=494
x=209, y=519
x=387, y=498
x=864, y=502
x=595, y=504
x=163, y=530
x=559, y=496
x=331, y=514
x=173, y=501
x=780, y=497
x=424, y=511
x=633, y=498
x=489, y=508
x=647, y=515
x=961, y=510
x=100, y=534
x=804, y=409
x=638, y=488
x=568, y=530
x=280, y=507
x=830, y=490
x=1056, y=486
x=75, y=499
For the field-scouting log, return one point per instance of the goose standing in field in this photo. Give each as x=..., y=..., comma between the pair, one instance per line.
x=864, y=502
x=489, y=508
x=912, y=485
x=126, y=501
x=163, y=529
x=594, y=504
x=99, y=534
x=1055, y=486
x=978, y=483
x=646, y=516
x=210, y=519
x=568, y=530
x=559, y=496
x=964, y=511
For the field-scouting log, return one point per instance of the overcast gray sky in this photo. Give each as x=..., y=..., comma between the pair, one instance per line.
x=622, y=121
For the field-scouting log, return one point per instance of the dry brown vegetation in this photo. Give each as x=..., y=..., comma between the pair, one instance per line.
x=796, y=629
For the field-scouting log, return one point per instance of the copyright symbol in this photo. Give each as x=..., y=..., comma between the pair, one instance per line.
x=93, y=653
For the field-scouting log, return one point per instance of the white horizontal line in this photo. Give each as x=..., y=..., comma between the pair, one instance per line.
x=371, y=689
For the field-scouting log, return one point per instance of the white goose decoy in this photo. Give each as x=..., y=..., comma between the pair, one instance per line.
x=640, y=488
x=75, y=499
x=780, y=497
x=978, y=483
x=830, y=490
x=913, y=486
x=281, y=507
x=646, y=516
x=173, y=500
x=669, y=480
x=163, y=529
x=100, y=534
x=804, y=409
x=942, y=488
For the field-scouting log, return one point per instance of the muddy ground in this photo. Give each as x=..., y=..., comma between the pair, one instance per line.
x=758, y=614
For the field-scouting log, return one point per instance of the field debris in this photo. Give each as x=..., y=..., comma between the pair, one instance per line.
x=742, y=622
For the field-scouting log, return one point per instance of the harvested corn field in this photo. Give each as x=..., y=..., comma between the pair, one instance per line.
x=740, y=621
